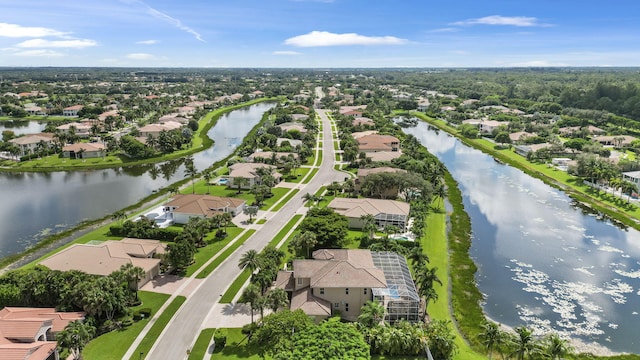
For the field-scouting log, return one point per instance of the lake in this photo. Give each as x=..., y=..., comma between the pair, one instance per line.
x=38, y=204
x=543, y=261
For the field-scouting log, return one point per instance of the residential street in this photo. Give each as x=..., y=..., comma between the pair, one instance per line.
x=182, y=331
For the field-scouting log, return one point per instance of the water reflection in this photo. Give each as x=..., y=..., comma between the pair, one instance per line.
x=542, y=260
x=38, y=204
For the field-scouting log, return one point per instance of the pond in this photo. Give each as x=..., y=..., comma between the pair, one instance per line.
x=38, y=204
x=21, y=127
x=543, y=261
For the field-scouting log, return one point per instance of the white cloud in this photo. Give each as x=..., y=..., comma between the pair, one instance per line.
x=42, y=43
x=286, y=53
x=39, y=53
x=325, y=38
x=147, y=42
x=502, y=20
x=18, y=31
x=444, y=30
x=139, y=56
x=175, y=22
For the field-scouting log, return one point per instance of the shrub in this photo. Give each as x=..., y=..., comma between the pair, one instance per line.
x=127, y=322
x=145, y=312
x=220, y=339
x=248, y=329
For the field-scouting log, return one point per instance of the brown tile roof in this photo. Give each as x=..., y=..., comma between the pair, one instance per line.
x=248, y=170
x=74, y=107
x=383, y=155
x=378, y=142
x=60, y=319
x=284, y=280
x=32, y=139
x=340, y=268
x=358, y=134
x=103, y=259
x=368, y=171
x=354, y=208
x=311, y=305
x=87, y=147
x=39, y=350
x=205, y=205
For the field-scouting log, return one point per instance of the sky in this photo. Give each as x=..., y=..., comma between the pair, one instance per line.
x=319, y=33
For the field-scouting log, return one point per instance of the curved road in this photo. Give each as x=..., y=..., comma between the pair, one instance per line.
x=185, y=326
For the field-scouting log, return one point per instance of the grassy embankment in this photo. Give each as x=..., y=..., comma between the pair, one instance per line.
x=602, y=202
x=199, y=142
x=157, y=328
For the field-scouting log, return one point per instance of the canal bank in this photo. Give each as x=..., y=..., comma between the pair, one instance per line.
x=98, y=194
x=541, y=262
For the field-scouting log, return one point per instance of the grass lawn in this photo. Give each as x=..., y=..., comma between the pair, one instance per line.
x=434, y=243
x=336, y=146
x=202, y=345
x=311, y=159
x=238, y=348
x=319, y=158
x=215, y=263
x=261, y=221
x=113, y=345
x=314, y=171
x=300, y=173
x=213, y=247
x=156, y=329
x=285, y=200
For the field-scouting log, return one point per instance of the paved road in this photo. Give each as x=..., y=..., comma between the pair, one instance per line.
x=180, y=334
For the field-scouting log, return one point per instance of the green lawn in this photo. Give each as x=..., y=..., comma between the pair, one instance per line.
x=238, y=348
x=336, y=146
x=300, y=173
x=213, y=247
x=285, y=200
x=317, y=163
x=434, y=243
x=202, y=345
x=113, y=345
x=261, y=221
x=215, y=263
x=314, y=171
x=153, y=334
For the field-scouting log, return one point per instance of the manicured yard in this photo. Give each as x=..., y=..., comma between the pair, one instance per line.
x=113, y=345
x=224, y=191
x=314, y=171
x=285, y=200
x=237, y=348
x=300, y=173
x=156, y=329
x=261, y=221
x=213, y=247
x=202, y=345
x=215, y=263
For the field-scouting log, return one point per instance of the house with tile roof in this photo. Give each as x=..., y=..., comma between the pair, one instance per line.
x=250, y=172
x=108, y=256
x=72, y=110
x=30, y=333
x=377, y=142
x=84, y=150
x=28, y=143
x=385, y=212
x=343, y=280
x=364, y=172
x=155, y=129
x=184, y=206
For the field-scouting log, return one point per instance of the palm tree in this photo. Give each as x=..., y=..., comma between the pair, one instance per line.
x=119, y=215
x=250, y=295
x=490, y=336
x=417, y=256
x=75, y=336
x=133, y=274
x=240, y=182
x=277, y=298
x=369, y=225
x=524, y=342
x=556, y=347
x=250, y=260
x=251, y=211
x=306, y=240
x=206, y=175
x=191, y=171
x=371, y=314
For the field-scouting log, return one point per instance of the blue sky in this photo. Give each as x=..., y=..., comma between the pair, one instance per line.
x=319, y=33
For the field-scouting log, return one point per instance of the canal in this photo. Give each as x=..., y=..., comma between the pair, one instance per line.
x=542, y=261
x=35, y=205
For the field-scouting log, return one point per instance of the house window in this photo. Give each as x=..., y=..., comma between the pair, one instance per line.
x=365, y=291
x=346, y=291
x=321, y=291
x=299, y=281
x=336, y=305
x=346, y=307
